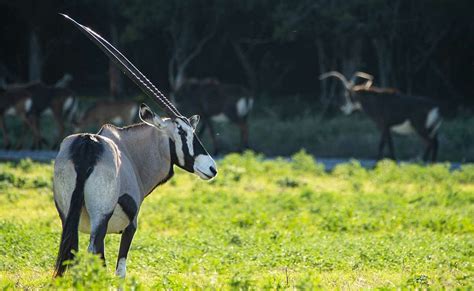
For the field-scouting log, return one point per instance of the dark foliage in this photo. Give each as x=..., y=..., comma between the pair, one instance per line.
x=277, y=48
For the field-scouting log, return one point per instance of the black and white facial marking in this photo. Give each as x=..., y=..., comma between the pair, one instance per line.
x=190, y=154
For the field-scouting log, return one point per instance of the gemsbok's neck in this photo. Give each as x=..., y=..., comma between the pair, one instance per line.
x=148, y=150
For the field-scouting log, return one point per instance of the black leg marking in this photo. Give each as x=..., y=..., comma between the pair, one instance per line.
x=98, y=236
x=125, y=242
x=129, y=206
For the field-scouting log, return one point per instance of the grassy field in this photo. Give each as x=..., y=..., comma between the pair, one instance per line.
x=260, y=224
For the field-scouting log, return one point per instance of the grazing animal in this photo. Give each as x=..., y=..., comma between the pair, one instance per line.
x=11, y=101
x=394, y=111
x=117, y=112
x=216, y=102
x=101, y=180
x=42, y=98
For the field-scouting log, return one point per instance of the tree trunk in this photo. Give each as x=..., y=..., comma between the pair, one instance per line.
x=323, y=92
x=115, y=76
x=35, y=58
x=248, y=68
x=383, y=60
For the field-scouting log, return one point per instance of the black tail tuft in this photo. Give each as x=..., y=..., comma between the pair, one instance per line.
x=85, y=150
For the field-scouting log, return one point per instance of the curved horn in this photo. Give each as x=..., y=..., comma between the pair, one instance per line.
x=337, y=75
x=128, y=68
x=368, y=77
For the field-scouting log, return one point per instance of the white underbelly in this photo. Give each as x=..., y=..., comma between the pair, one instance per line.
x=117, y=223
x=403, y=128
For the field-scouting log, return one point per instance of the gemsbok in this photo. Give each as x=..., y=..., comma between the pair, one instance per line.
x=392, y=110
x=216, y=102
x=101, y=180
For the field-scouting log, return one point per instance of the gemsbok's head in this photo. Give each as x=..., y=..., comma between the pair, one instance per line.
x=351, y=101
x=186, y=147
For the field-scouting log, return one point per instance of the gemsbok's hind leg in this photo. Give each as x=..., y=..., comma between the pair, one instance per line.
x=98, y=232
x=100, y=199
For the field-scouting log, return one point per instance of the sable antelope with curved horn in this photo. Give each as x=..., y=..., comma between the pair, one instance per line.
x=216, y=102
x=392, y=111
x=101, y=180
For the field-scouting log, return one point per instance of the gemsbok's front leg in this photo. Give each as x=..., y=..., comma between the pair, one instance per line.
x=125, y=242
x=130, y=208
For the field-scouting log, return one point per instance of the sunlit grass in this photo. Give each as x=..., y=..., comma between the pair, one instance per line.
x=261, y=223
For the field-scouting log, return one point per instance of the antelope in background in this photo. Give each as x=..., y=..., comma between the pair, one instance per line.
x=216, y=102
x=100, y=180
x=392, y=111
x=10, y=101
x=120, y=112
x=40, y=99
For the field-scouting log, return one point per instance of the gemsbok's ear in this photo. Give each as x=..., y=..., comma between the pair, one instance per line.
x=194, y=120
x=150, y=117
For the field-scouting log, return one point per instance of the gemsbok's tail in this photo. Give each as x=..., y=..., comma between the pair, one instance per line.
x=84, y=152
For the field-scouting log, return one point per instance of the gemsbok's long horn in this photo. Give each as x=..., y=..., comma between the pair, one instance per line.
x=128, y=68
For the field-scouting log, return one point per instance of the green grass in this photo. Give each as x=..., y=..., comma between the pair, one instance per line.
x=260, y=224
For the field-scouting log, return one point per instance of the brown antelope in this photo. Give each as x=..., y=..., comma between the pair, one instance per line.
x=117, y=112
x=100, y=180
x=216, y=102
x=392, y=111
x=41, y=99
x=11, y=100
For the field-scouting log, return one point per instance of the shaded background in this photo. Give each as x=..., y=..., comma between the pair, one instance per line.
x=276, y=48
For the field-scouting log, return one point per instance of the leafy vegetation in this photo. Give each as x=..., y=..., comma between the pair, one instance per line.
x=261, y=223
